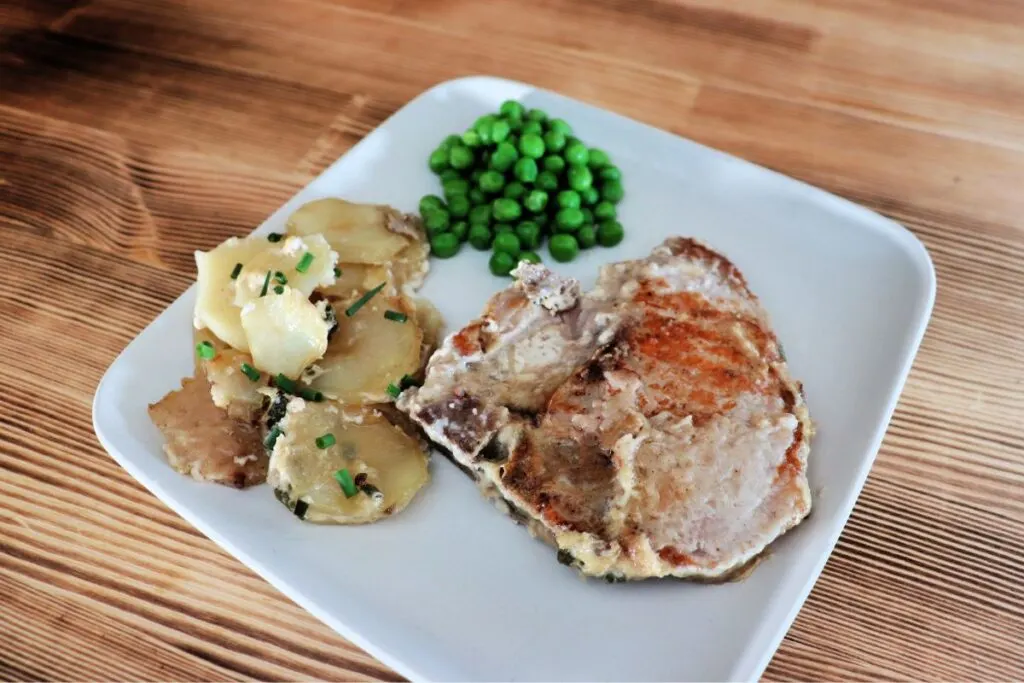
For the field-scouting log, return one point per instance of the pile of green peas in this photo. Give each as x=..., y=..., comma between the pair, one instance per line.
x=516, y=179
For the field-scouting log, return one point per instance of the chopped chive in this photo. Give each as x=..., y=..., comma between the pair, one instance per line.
x=205, y=350
x=337, y=271
x=271, y=438
x=393, y=391
x=266, y=283
x=280, y=278
x=235, y=271
x=325, y=441
x=310, y=395
x=303, y=265
x=300, y=508
x=278, y=289
x=361, y=301
x=396, y=316
x=250, y=372
x=345, y=480
x=286, y=384
x=274, y=237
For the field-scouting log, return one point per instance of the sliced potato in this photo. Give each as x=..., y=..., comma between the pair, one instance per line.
x=368, y=352
x=388, y=464
x=286, y=332
x=215, y=308
x=431, y=322
x=355, y=280
x=360, y=233
x=410, y=267
x=283, y=257
x=230, y=388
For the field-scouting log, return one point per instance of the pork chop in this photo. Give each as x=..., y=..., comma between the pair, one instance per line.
x=648, y=428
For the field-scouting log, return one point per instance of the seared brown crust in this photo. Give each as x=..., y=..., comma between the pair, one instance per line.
x=203, y=441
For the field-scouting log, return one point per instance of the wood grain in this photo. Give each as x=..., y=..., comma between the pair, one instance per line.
x=133, y=132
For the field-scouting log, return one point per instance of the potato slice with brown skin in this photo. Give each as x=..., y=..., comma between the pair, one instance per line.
x=360, y=233
x=204, y=442
x=369, y=352
x=388, y=465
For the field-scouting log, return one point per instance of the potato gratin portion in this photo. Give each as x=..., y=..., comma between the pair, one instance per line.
x=303, y=340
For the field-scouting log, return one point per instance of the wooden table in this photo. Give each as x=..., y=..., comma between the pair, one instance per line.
x=134, y=132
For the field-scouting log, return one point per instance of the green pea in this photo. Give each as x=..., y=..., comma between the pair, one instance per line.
x=536, y=200
x=504, y=157
x=480, y=215
x=435, y=222
x=450, y=141
x=588, y=216
x=526, y=170
x=533, y=127
x=449, y=174
x=579, y=178
x=529, y=257
x=514, y=190
x=491, y=182
x=501, y=263
x=500, y=130
x=503, y=227
x=576, y=154
x=430, y=202
x=553, y=164
x=528, y=233
x=480, y=236
x=476, y=195
x=454, y=187
x=612, y=191
x=458, y=205
x=531, y=145
x=561, y=127
x=438, y=160
x=605, y=211
x=597, y=158
x=445, y=245
x=554, y=141
x=547, y=181
x=483, y=129
x=586, y=236
x=538, y=115
x=569, y=199
x=610, y=233
x=460, y=156
x=568, y=220
x=507, y=242
x=563, y=248
x=471, y=138
x=590, y=196
x=610, y=173
x=512, y=109
x=461, y=230
x=506, y=209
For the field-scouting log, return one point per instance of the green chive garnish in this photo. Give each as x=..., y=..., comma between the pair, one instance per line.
x=274, y=237
x=250, y=372
x=325, y=441
x=280, y=278
x=337, y=271
x=393, y=391
x=278, y=289
x=235, y=271
x=300, y=508
x=303, y=265
x=396, y=316
x=310, y=395
x=361, y=301
x=266, y=283
x=347, y=485
x=271, y=438
x=285, y=384
x=206, y=351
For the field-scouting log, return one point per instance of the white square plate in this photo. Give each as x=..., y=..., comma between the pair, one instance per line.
x=452, y=590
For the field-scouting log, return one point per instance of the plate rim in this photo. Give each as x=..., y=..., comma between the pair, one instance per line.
x=753, y=660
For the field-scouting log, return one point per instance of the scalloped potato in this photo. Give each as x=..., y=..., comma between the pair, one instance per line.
x=360, y=233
